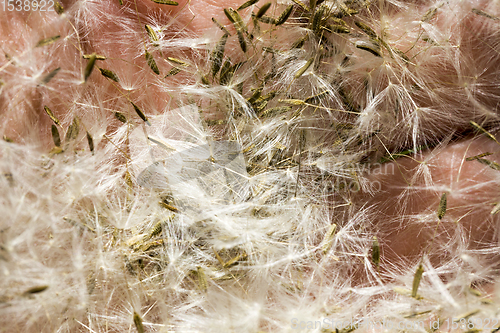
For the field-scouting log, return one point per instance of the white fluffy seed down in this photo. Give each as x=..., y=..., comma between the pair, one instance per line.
x=337, y=167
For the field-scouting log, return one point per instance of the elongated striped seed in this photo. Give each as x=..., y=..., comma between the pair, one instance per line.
x=90, y=141
x=491, y=164
x=366, y=29
x=173, y=71
x=416, y=280
x=169, y=207
x=90, y=67
x=275, y=111
x=218, y=54
x=472, y=158
x=51, y=115
x=301, y=5
x=247, y=4
x=495, y=209
x=375, y=252
x=262, y=10
x=482, y=13
x=340, y=29
x=316, y=19
x=316, y=98
x=47, y=41
x=479, y=128
x=47, y=78
x=371, y=47
x=284, y=15
x=221, y=27
x=138, y=323
x=151, y=33
x=177, y=61
x=109, y=74
x=429, y=14
x=267, y=20
x=304, y=68
x=442, y=206
x=120, y=116
x=55, y=135
x=73, y=130
x=166, y=2
x=152, y=63
x=202, y=279
x=239, y=25
x=328, y=238
x=141, y=114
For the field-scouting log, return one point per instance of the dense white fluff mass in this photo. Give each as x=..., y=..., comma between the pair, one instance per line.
x=298, y=176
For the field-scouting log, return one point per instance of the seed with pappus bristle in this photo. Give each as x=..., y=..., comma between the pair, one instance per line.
x=141, y=114
x=55, y=135
x=366, y=29
x=375, y=252
x=218, y=54
x=47, y=78
x=472, y=158
x=429, y=14
x=120, y=116
x=373, y=47
x=262, y=10
x=483, y=13
x=109, y=74
x=220, y=26
x=328, y=238
x=138, y=323
x=151, y=62
x=284, y=15
x=491, y=164
x=304, y=68
x=73, y=130
x=495, y=209
x=479, y=128
x=151, y=33
x=301, y=5
x=416, y=280
x=247, y=4
x=90, y=142
x=166, y=2
x=90, y=67
x=51, y=115
x=47, y=41
x=442, y=206
x=202, y=279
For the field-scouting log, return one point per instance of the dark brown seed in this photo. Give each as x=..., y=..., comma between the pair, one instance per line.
x=121, y=117
x=55, y=135
x=263, y=10
x=141, y=114
x=90, y=142
x=109, y=74
x=152, y=63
